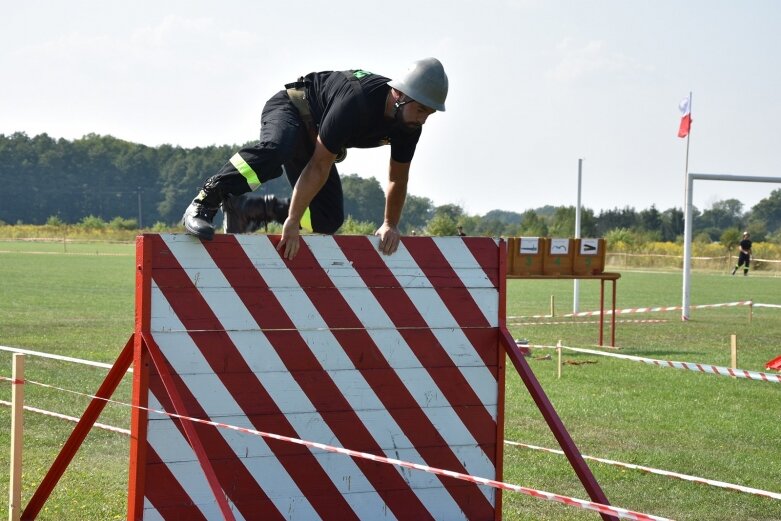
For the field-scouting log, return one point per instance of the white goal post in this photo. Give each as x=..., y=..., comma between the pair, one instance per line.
x=688, y=225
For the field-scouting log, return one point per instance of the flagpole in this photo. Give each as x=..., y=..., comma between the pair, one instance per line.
x=686, y=169
x=688, y=224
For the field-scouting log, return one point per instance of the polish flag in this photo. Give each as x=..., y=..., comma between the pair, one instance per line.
x=686, y=116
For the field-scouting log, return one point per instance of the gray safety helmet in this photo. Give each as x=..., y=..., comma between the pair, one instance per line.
x=424, y=81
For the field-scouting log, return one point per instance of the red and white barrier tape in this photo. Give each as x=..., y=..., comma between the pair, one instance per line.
x=58, y=357
x=12, y=381
x=540, y=494
x=69, y=418
x=691, y=366
x=651, y=470
x=777, y=306
x=572, y=322
x=655, y=309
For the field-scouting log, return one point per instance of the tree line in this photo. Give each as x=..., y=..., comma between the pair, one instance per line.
x=105, y=178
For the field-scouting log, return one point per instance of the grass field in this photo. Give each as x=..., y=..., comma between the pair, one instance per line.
x=77, y=300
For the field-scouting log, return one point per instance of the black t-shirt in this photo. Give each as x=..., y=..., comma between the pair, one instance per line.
x=351, y=114
x=745, y=245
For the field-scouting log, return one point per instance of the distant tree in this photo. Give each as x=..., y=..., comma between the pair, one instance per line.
x=672, y=224
x=503, y=217
x=758, y=230
x=730, y=238
x=417, y=212
x=651, y=219
x=532, y=225
x=471, y=224
x=562, y=224
x=769, y=211
x=545, y=211
x=616, y=218
x=720, y=216
x=442, y=224
x=364, y=199
x=453, y=211
x=489, y=227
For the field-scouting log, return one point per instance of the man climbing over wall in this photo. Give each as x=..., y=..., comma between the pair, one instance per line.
x=306, y=129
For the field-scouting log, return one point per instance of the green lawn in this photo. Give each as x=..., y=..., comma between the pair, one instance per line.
x=78, y=301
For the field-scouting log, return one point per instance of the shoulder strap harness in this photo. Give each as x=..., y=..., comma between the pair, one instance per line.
x=296, y=91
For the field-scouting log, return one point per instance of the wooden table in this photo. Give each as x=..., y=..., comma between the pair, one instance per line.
x=602, y=277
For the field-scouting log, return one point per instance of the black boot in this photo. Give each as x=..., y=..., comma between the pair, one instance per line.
x=247, y=212
x=197, y=220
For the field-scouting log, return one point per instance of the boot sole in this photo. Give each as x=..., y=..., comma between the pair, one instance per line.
x=205, y=236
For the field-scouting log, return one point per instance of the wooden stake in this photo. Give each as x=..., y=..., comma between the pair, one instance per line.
x=734, y=351
x=17, y=437
x=553, y=305
x=558, y=356
x=750, y=310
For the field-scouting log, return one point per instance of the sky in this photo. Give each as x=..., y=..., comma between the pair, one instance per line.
x=535, y=85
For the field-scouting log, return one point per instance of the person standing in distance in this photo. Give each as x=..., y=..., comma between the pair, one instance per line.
x=305, y=130
x=744, y=257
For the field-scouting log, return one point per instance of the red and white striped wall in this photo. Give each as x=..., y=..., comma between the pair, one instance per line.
x=396, y=355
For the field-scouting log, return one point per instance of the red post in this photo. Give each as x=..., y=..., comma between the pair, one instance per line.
x=613, y=318
x=554, y=423
x=601, y=310
x=78, y=435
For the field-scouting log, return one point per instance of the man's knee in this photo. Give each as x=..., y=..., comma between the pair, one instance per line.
x=330, y=223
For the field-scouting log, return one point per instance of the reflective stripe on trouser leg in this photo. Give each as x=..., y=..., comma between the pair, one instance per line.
x=244, y=169
x=306, y=220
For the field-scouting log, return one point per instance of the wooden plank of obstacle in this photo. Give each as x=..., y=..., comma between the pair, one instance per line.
x=395, y=355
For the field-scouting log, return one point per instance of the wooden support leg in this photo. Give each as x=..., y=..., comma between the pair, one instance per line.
x=78, y=435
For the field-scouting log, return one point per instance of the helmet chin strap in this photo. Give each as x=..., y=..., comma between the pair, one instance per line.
x=400, y=102
x=398, y=119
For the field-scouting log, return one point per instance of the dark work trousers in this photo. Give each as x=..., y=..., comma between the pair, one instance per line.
x=284, y=142
x=744, y=259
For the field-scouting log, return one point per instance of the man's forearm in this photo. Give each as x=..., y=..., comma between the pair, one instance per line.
x=394, y=202
x=309, y=183
x=312, y=178
x=396, y=192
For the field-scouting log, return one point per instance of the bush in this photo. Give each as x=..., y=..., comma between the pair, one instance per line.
x=119, y=223
x=54, y=220
x=160, y=227
x=441, y=224
x=91, y=222
x=353, y=227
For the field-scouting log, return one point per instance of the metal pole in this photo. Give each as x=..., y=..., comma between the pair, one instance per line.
x=576, y=283
x=687, y=248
